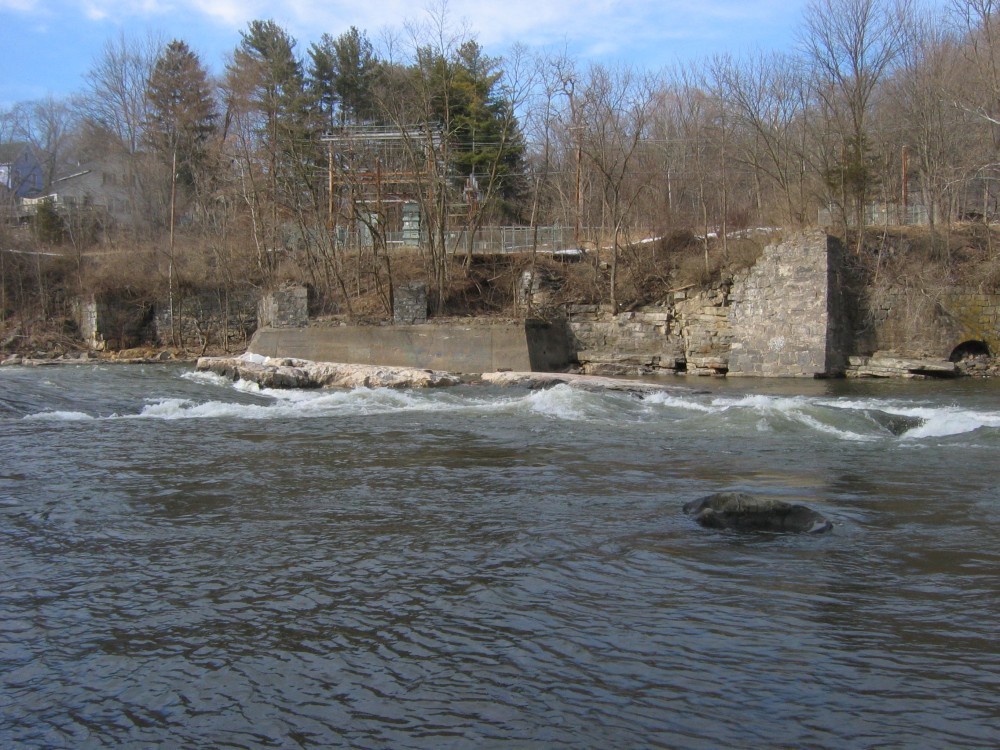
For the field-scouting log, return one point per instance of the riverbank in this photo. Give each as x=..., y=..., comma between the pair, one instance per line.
x=804, y=308
x=140, y=356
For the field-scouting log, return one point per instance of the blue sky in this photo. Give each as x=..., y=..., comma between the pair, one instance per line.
x=48, y=45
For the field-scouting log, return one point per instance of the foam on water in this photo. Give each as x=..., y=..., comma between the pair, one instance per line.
x=293, y=403
x=935, y=421
x=566, y=403
x=683, y=402
x=59, y=416
x=559, y=402
x=773, y=412
x=851, y=420
x=210, y=378
x=948, y=422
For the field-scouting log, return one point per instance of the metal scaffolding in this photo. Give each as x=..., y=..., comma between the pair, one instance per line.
x=379, y=173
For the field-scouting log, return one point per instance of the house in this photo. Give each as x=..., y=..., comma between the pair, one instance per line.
x=21, y=172
x=101, y=185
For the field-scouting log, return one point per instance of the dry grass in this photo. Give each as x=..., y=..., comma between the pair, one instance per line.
x=359, y=287
x=959, y=256
x=486, y=286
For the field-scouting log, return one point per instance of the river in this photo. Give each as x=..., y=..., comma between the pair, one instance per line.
x=185, y=562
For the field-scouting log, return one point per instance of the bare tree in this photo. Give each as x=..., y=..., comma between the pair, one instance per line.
x=50, y=126
x=978, y=95
x=766, y=95
x=115, y=101
x=617, y=107
x=114, y=112
x=852, y=46
x=936, y=139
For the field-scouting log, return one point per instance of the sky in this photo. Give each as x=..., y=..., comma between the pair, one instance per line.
x=49, y=45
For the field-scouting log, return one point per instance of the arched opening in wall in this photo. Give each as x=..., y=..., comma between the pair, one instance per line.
x=969, y=350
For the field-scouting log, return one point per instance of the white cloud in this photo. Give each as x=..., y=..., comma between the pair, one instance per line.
x=95, y=11
x=601, y=24
x=645, y=32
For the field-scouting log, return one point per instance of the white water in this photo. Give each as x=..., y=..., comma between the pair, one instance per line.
x=843, y=419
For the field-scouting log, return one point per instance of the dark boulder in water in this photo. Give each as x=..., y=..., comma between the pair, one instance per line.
x=897, y=424
x=743, y=512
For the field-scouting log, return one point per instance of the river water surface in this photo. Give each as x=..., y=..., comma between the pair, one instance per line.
x=185, y=562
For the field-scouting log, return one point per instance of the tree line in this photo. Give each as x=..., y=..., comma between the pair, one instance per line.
x=295, y=163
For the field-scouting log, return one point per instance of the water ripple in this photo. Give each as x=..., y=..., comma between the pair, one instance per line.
x=506, y=572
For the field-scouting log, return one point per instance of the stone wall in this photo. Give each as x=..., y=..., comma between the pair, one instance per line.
x=970, y=315
x=109, y=321
x=785, y=317
x=286, y=307
x=644, y=341
x=801, y=311
x=220, y=318
x=706, y=328
x=798, y=312
x=121, y=320
x=918, y=322
x=690, y=332
x=409, y=304
x=88, y=319
x=787, y=311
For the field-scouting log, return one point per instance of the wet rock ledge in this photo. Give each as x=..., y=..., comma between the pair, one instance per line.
x=270, y=372
x=300, y=373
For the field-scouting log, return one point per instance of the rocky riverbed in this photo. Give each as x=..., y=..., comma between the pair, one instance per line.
x=287, y=372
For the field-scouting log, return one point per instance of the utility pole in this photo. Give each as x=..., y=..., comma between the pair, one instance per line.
x=329, y=187
x=905, y=218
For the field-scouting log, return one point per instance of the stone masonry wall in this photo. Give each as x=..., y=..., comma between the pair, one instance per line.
x=287, y=307
x=783, y=311
x=690, y=333
x=916, y=323
x=109, y=321
x=639, y=342
x=971, y=315
x=707, y=330
x=409, y=304
x=225, y=319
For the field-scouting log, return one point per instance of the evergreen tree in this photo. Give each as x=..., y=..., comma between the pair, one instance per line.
x=273, y=133
x=266, y=81
x=341, y=77
x=182, y=113
x=490, y=143
x=322, y=79
x=354, y=67
x=485, y=139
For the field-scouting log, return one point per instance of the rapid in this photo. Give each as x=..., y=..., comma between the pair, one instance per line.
x=188, y=562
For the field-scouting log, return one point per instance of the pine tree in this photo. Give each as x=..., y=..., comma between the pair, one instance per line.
x=485, y=137
x=273, y=121
x=182, y=114
x=490, y=143
x=267, y=79
x=341, y=76
x=354, y=65
x=180, y=122
x=322, y=79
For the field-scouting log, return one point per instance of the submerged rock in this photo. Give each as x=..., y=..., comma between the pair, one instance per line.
x=594, y=383
x=897, y=424
x=743, y=512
